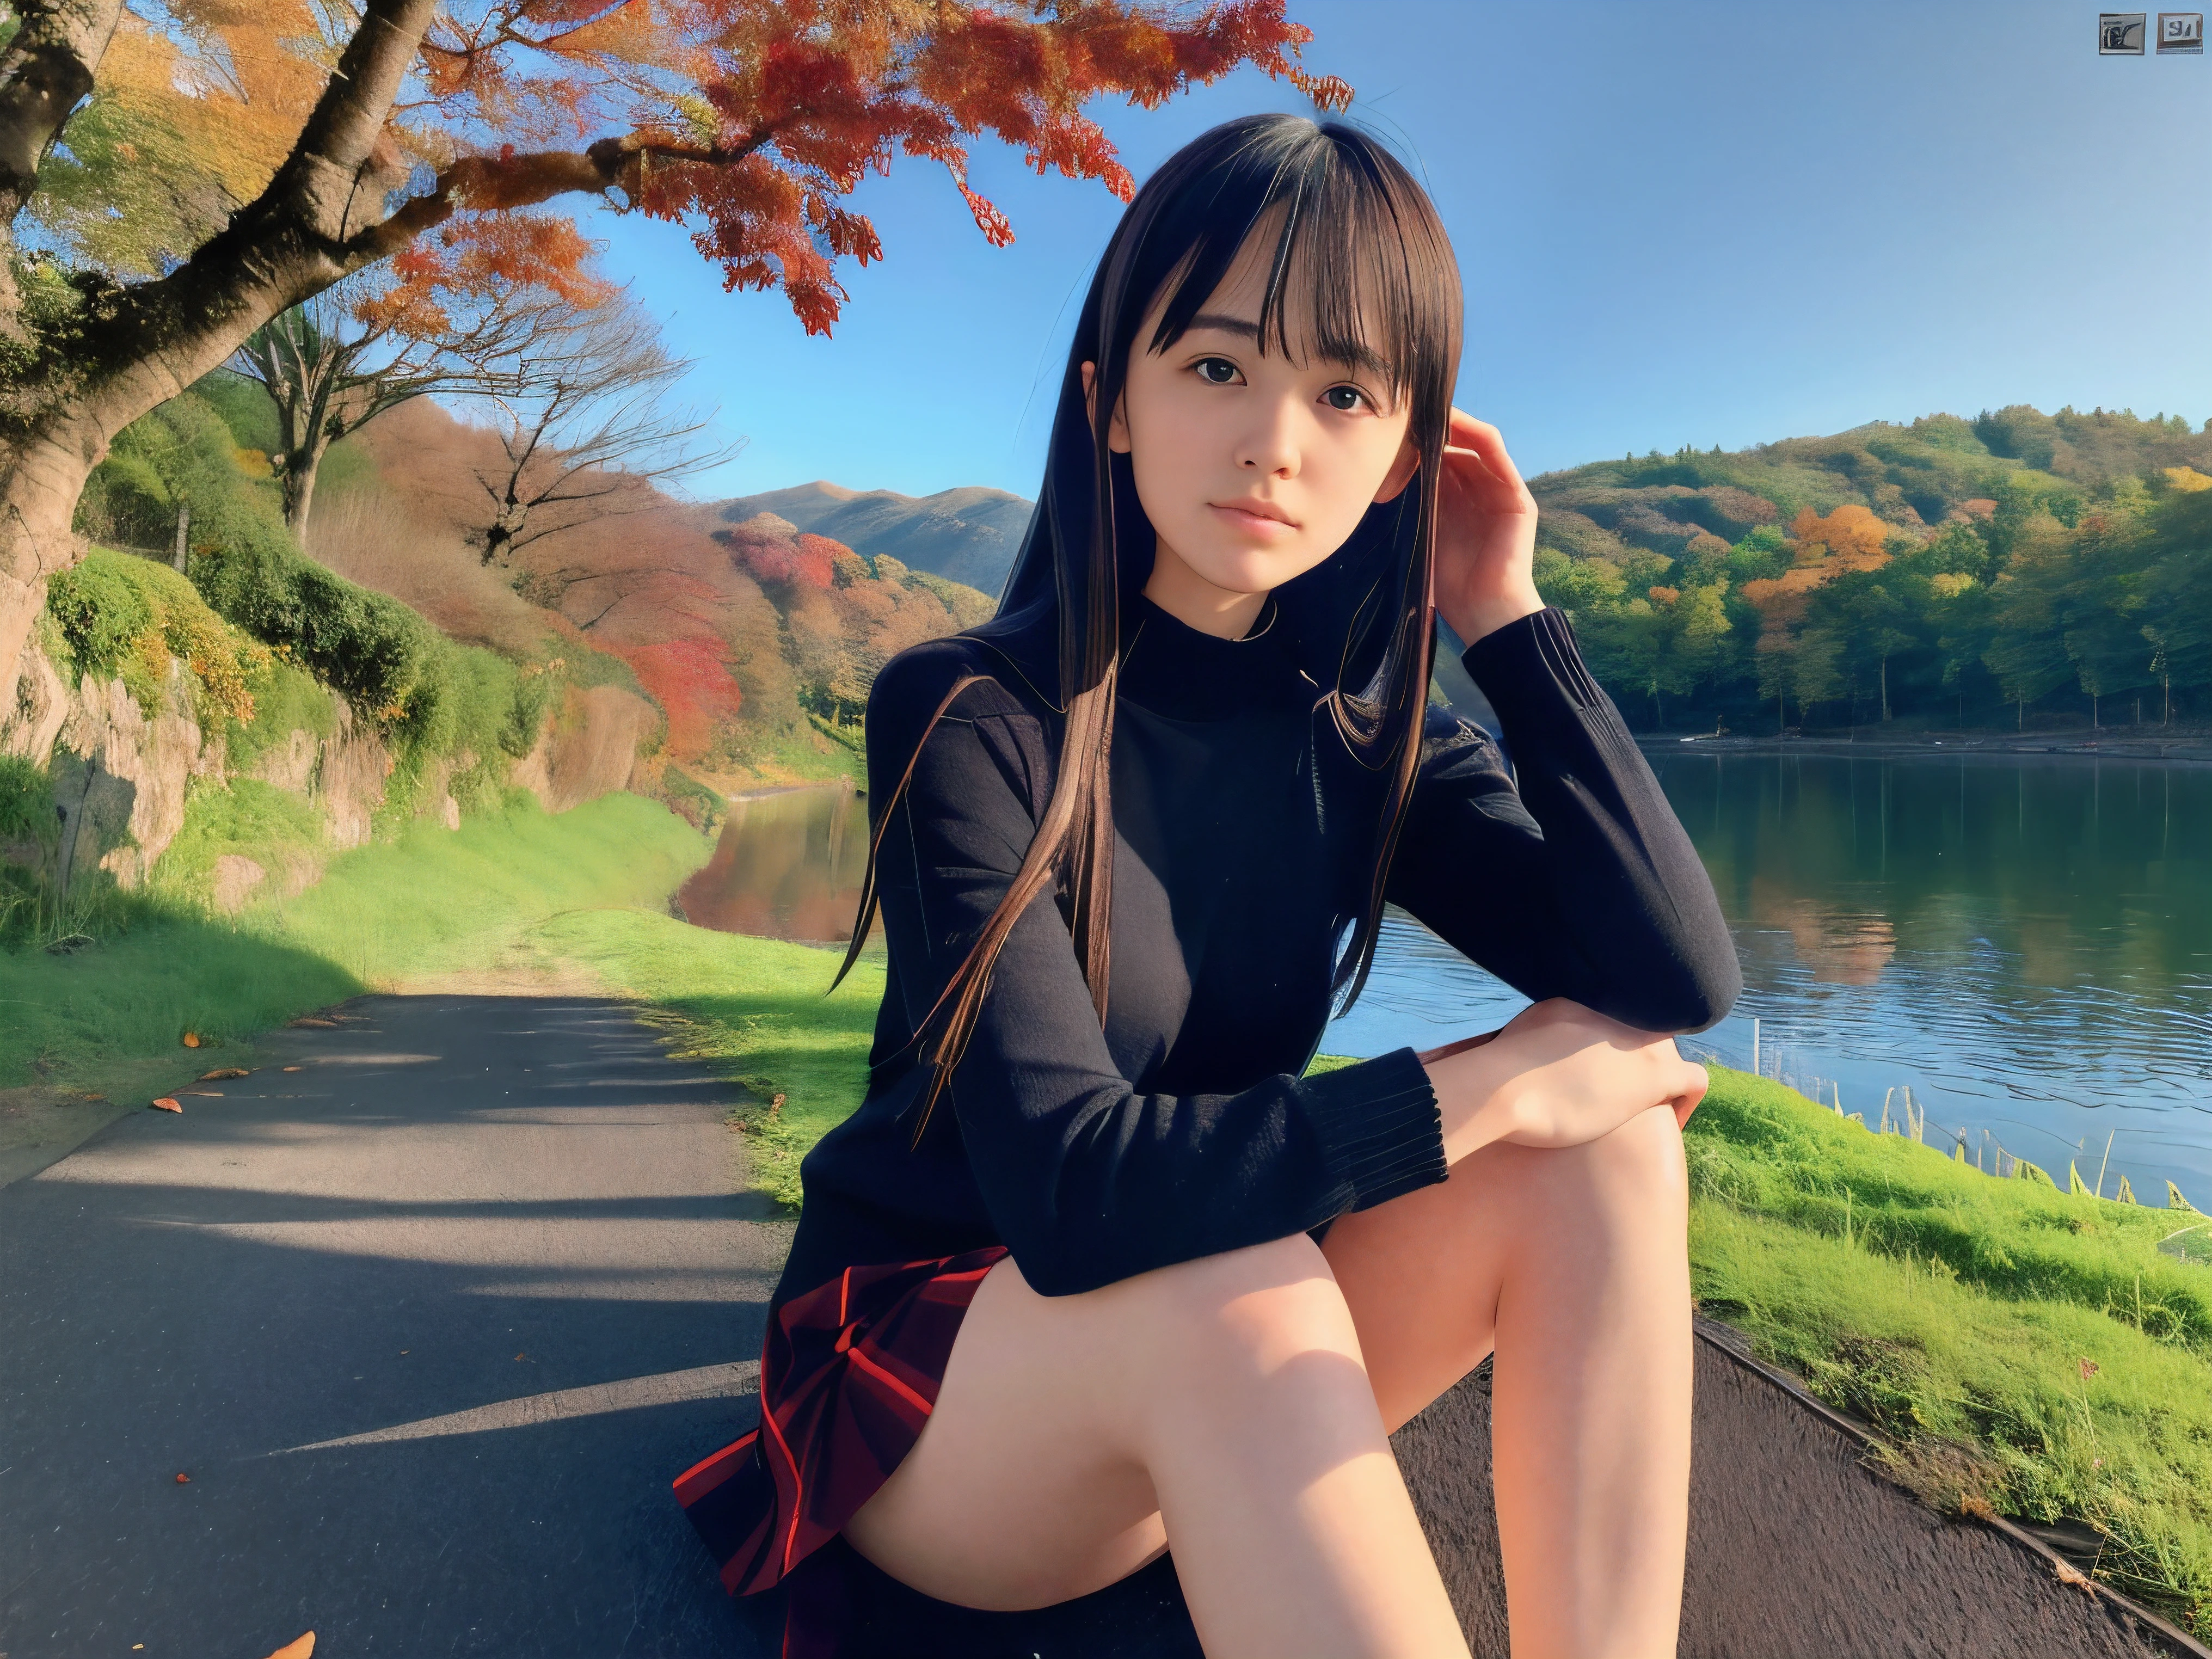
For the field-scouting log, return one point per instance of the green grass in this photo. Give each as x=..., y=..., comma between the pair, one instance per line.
x=2028, y=1349
x=247, y=818
x=437, y=900
x=752, y=1008
x=432, y=900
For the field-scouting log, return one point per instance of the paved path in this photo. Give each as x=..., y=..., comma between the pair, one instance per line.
x=432, y=1321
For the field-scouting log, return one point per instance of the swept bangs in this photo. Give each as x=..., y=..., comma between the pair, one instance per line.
x=1352, y=277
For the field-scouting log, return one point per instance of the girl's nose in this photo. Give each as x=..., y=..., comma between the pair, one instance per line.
x=1270, y=446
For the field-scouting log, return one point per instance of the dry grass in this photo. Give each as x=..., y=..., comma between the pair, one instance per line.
x=375, y=537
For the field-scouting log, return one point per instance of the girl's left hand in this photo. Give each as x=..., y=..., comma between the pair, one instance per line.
x=1486, y=532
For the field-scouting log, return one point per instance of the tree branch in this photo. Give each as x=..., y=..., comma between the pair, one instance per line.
x=45, y=71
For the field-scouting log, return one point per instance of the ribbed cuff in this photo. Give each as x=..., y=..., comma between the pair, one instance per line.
x=1379, y=1126
x=1529, y=663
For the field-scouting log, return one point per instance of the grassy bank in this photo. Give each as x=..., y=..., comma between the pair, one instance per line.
x=111, y=1018
x=2028, y=1350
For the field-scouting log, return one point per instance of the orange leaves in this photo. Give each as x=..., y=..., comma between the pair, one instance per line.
x=166, y=1104
x=301, y=1647
x=221, y=1072
x=806, y=100
x=191, y=1039
x=1849, y=538
x=184, y=1479
x=474, y=260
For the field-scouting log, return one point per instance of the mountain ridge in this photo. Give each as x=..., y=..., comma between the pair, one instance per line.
x=968, y=534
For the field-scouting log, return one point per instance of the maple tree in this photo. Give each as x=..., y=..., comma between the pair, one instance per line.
x=234, y=161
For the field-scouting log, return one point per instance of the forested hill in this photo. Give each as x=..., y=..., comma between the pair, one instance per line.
x=967, y=535
x=2017, y=567
x=2012, y=568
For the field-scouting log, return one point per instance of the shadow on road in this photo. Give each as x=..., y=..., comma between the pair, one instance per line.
x=495, y=1248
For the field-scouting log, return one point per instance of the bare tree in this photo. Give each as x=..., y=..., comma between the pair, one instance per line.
x=585, y=434
x=338, y=360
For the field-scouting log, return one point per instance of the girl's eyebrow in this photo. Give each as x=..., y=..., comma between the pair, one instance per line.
x=1223, y=323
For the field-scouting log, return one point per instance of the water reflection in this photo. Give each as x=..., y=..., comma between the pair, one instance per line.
x=2024, y=941
x=788, y=865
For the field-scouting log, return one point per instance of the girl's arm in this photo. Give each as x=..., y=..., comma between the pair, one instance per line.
x=1087, y=1179
x=1580, y=881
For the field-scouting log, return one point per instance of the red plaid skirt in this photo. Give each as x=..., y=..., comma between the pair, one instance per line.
x=848, y=1375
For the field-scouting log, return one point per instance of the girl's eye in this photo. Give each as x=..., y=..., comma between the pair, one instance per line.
x=1352, y=392
x=1206, y=366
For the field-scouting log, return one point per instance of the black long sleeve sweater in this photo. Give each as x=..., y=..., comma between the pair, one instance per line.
x=1245, y=837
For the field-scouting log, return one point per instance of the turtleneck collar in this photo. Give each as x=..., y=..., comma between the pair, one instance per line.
x=1172, y=668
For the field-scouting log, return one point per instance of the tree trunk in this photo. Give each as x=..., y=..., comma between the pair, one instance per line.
x=41, y=478
x=300, y=469
x=1885, y=689
x=157, y=337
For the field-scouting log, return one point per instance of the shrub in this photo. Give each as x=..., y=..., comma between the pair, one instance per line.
x=125, y=617
x=125, y=500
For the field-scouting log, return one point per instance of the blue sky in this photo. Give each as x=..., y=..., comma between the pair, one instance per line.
x=1677, y=222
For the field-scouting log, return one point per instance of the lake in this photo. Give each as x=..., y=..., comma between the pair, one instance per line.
x=2024, y=942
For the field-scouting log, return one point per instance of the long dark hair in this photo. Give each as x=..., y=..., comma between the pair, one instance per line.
x=1361, y=238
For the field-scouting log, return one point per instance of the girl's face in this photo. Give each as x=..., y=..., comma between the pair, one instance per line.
x=1253, y=468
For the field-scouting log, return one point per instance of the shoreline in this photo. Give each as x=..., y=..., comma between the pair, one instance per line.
x=2188, y=748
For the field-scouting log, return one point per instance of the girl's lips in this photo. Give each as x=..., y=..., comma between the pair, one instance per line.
x=1253, y=522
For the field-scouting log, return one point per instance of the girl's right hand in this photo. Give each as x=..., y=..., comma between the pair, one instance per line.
x=1559, y=1074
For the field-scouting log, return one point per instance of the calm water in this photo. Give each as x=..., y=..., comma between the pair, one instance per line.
x=2024, y=941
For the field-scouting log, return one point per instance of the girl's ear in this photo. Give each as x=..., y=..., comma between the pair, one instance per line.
x=1403, y=466
x=1117, y=434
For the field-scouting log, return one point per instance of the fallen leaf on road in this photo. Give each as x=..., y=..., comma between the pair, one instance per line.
x=309, y=1020
x=299, y=1649
x=166, y=1104
x=191, y=1039
x=295, y=1069
x=223, y=1072
x=184, y=1479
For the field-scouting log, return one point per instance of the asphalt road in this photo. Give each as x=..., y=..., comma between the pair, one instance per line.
x=431, y=1323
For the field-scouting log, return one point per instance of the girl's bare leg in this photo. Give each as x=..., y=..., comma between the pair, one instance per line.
x=1221, y=1402
x=1575, y=1261
x=1239, y=1404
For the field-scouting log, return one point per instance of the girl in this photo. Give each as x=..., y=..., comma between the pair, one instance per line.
x=1096, y=1270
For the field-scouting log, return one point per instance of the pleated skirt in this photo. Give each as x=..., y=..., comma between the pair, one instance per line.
x=849, y=1374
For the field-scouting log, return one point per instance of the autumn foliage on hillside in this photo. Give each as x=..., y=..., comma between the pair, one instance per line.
x=1948, y=571
x=738, y=633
